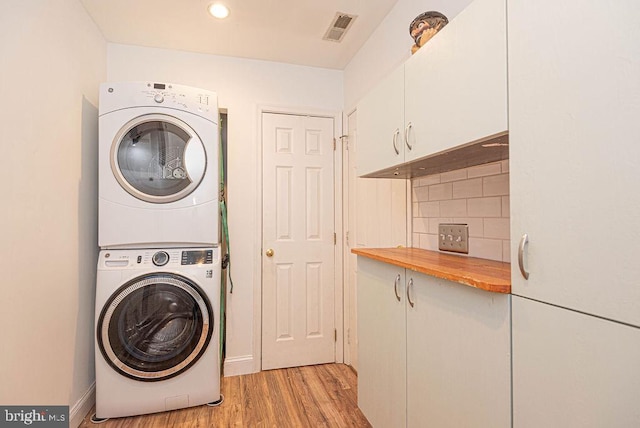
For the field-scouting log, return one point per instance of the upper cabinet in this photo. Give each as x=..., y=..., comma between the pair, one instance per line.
x=381, y=125
x=452, y=92
x=574, y=105
x=456, y=85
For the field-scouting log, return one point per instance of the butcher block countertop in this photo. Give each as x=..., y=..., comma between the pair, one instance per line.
x=485, y=274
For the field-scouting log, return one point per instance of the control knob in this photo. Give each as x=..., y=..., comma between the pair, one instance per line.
x=158, y=98
x=160, y=258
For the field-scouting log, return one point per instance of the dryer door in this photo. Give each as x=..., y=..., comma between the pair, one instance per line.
x=155, y=327
x=158, y=158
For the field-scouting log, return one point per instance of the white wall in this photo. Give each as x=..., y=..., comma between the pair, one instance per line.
x=389, y=46
x=53, y=60
x=242, y=86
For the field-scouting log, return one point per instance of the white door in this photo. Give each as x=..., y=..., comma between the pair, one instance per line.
x=382, y=343
x=574, y=157
x=298, y=247
x=573, y=370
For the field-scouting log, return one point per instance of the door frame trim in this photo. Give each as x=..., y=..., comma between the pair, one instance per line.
x=336, y=115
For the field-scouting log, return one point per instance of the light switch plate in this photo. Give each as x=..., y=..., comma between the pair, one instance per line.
x=453, y=237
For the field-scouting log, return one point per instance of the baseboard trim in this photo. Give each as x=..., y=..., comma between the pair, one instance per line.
x=235, y=366
x=82, y=407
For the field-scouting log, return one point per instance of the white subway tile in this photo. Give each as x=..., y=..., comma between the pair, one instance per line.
x=496, y=228
x=495, y=185
x=428, y=209
x=477, y=196
x=420, y=194
x=506, y=251
x=420, y=225
x=435, y=222
x=428, y=180
x=453, y=208
x=455, y=175
x=484, y=170
x=476, y=225
x=485, y=248
x=429, y=242
x=467, y=188
x=506, y=207
x=484, y=207
x=440, y=192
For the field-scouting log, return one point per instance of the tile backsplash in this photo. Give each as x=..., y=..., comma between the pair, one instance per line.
x=477, y=196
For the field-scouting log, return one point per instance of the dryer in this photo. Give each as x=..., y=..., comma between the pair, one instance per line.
x=157, y=330
x=158, y=166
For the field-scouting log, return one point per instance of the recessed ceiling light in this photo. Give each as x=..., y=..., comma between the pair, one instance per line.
x=219, y=10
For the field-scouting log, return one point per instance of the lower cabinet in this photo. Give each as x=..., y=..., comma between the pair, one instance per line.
x=572, y=369
x=382, y=343
x=432, y=353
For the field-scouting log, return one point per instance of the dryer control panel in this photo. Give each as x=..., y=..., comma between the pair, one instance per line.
x=121, y=95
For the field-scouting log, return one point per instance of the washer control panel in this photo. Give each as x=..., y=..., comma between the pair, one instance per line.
x=165, y=258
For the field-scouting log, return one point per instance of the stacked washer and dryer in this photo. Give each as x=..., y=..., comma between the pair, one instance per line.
x=159, y=274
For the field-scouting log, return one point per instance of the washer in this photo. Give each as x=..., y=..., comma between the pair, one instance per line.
x=158, y=166
x=157, y=330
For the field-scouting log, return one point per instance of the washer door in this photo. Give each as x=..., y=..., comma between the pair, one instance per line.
x=155, y=327
x=158, y=158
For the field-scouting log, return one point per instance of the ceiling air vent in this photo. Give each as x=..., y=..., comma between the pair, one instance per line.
x=339, y=26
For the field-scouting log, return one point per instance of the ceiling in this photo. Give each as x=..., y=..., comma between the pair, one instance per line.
x=289, y=31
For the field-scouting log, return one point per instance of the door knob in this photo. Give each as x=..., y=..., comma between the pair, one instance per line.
x=269, y=252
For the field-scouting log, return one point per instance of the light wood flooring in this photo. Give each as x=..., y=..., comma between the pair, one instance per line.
x=313, y=396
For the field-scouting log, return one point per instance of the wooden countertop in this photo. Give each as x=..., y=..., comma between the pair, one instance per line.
x=485, y=274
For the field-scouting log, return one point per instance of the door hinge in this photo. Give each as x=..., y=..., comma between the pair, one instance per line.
x=347, y=238
x=335, y=238
x=334, y=144
x=348, y=336
x=335, y=334
x=345, y=141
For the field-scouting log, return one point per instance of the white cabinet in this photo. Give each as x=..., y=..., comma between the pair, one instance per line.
x=574, y=109
x=451, y=92
x=381, y=125
x=456, y=85
x=572, y=369
x=458, y=355
x=440, y=359
x=381, y=343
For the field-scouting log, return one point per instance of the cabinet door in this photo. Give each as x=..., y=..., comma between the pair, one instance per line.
x=458, y=356
x=572, y=369
x=381, y=343
x=380, y=125
x=456, y=84
x=574, y=105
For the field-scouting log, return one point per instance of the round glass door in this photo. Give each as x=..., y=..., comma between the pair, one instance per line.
x=155, y=327
x=158, y=158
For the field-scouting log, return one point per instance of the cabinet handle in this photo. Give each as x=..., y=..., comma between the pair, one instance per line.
x=395, y=287
x=523, y=241
x=406, y=135
x=408, y=295
x=395, y=141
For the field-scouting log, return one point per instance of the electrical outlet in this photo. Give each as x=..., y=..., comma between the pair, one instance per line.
x=453, y=237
